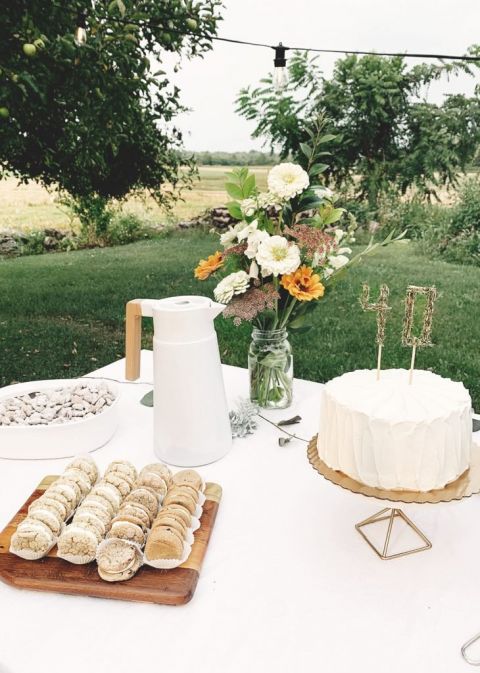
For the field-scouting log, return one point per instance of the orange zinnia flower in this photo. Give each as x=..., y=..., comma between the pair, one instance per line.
x=207, y=266
x=303, y=284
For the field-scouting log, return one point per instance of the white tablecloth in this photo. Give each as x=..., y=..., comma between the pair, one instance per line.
x=287, y=584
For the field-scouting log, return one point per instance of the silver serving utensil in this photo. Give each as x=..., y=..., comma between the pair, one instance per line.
x=466, y=646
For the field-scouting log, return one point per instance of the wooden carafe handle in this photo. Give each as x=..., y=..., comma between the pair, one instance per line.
x=133, y=339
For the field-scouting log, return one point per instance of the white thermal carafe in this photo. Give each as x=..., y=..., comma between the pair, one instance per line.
x=191, y=421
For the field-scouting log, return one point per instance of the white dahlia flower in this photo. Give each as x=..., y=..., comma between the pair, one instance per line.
x=235, y=283
x=287, y=180
x=277, y=256
x=253, y=241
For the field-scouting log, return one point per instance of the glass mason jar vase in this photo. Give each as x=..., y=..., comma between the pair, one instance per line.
x=270, y=366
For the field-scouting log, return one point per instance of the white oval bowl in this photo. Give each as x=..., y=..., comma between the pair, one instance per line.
x=63, y=440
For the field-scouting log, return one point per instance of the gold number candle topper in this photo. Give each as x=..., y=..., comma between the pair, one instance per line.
x=381, y=308
x=408, y=338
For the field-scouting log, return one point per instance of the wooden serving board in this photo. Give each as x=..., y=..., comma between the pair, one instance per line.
x=167, y=587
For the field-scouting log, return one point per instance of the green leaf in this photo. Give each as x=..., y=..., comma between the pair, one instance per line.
x=307, y=150
x=234, y=210
x=327, y=138
x=297, y=322
x=316, y=169
x=121, y=7
x=147, y=400
x=249, y=186
x=234, y=190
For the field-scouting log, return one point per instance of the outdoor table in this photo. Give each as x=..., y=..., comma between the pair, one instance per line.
x=287, y=583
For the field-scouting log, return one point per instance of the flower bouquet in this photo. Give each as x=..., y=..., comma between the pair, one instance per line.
x=277, y=262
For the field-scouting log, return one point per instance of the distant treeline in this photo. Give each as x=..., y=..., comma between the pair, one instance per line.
x=252, y=158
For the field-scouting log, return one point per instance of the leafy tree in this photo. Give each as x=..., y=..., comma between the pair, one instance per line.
x=388, y=134
x=94, y=119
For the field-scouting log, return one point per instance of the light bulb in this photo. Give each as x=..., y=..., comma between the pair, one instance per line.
x=80, y=36
x=280, y=76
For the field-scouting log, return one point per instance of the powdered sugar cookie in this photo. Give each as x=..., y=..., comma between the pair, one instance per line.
x=77, y=545
x=109, y=492
x=32, y=540
x=87, y=465
x=124, y=530
x=145, y=497
x=49, y=518
x=120, y=482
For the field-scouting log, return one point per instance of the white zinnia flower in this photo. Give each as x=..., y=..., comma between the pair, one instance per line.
x=267, y=199
x=246, y=230
x=337, y=261
x=229, y=237
x=253, y=241
x=323, y=192
x=287, y=180
x=235, y=283
x=277, y=256
x=248, y=207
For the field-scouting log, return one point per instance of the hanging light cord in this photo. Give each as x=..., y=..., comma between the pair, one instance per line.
x=451, y=57
x=217, y=38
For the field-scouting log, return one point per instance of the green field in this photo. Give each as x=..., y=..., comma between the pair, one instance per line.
x=63, y=315
x=29, y=207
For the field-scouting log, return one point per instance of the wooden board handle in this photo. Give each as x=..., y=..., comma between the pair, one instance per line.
x=133, y=339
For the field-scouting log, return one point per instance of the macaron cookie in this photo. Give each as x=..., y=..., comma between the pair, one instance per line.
x=90, y=521
x=80, y=478
x=188, y=477
x=49, y=518
x=77, y=544
x=179, y=511
x=87, y=465
x=125, y=530
x=68, y=492
x=98, y=511
x=122, y=483
x=152, y=480
x=172, y=522
x=109, y=492
x=44, y=502
x=137, y=511
x=121, y=516
x=177, y=495
x=99, y=501
x=163, y=543
x=118, y=560
x=144, y=496
x=160, y=469
x=55, y=494
x=32, y=540
x=123, y=467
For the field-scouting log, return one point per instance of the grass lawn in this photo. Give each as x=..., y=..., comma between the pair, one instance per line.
x=28, y=207
x=62, y=314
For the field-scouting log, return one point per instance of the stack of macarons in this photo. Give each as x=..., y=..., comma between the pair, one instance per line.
x=171, y=536
x=116, y=556
x=92, y=521
x=39, y=531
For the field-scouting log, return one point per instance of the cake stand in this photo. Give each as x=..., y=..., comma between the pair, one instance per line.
x=463, y=487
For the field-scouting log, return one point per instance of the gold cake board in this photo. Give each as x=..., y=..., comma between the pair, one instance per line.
x=466, y=485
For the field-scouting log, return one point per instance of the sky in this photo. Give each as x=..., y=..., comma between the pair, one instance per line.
x=209, y=85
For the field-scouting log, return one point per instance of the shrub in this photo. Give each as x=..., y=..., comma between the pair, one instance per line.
x=126, y=228
x=466, y=217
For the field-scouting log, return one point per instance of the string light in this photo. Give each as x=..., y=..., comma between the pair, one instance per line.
x=80, y=34
x=280, y=76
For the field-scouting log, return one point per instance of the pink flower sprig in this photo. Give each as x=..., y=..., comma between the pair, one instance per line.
x=247, y=306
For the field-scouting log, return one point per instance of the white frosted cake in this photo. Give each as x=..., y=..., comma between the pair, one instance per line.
x=392, y=435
